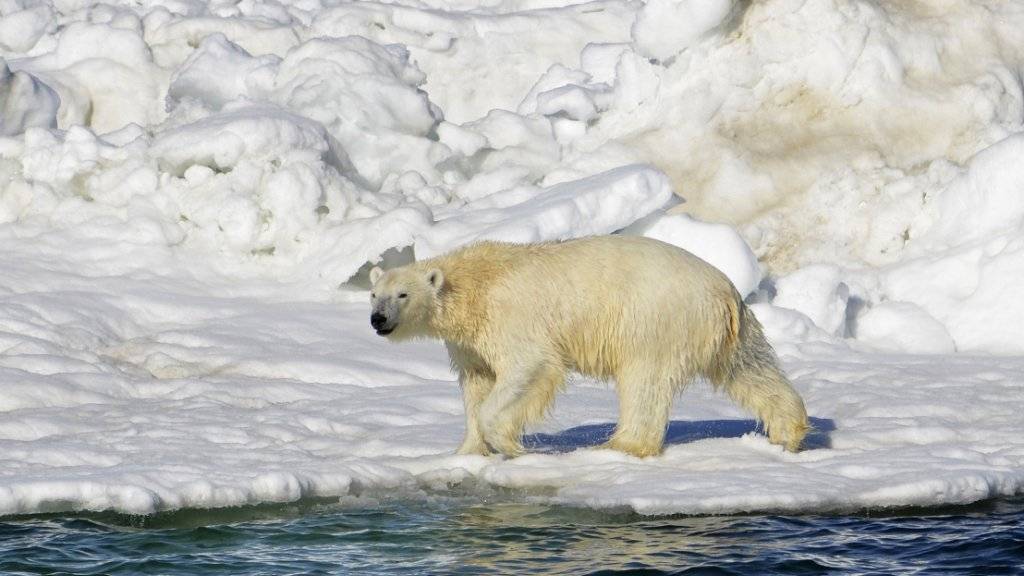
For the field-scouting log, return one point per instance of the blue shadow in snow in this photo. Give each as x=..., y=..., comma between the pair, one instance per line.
x=679, y=432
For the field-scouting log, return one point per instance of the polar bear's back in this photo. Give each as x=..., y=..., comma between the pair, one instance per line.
x=597, y=267
x=599, y=299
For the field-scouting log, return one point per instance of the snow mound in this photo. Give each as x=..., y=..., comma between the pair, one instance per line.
x=818, y=293
x=27, y=102
x=966, y=261
x=904, y=327
x=717, y=244
x=255, y=178
x=663, y=28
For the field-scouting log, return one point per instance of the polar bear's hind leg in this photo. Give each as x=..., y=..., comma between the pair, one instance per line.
x=753, y=380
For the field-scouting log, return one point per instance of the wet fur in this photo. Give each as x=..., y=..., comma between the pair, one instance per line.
x=517, y=318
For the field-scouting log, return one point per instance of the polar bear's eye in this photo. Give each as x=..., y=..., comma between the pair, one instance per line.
x=373, y=294
x=403, y=295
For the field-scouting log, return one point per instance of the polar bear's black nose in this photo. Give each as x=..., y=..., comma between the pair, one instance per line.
x=377, y=320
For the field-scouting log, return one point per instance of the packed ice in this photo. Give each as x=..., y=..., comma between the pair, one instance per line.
x=191, y=194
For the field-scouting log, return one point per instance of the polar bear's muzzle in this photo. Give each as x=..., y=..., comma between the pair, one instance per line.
x=385, y=312
x=384, y=318
x=380, y=324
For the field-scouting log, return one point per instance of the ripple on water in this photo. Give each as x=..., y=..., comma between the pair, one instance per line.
x=458, y=537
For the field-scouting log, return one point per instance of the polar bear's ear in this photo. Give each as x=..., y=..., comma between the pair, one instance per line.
x=436, y=279
x=375, y=274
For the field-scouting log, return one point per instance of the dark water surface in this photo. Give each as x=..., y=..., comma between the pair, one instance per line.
x=459, y=537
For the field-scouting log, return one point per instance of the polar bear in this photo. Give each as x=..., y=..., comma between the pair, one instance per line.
x=516, y=318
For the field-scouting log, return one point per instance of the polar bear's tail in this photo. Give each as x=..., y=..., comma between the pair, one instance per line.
x=752, y=378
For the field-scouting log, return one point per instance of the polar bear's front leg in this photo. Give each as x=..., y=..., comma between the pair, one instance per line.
x=497, y=420
x=520, y=397
x=475, y=388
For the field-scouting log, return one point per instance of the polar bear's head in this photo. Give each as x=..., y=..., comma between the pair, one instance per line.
x=403, y=300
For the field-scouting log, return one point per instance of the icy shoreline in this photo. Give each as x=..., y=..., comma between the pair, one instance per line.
x=191, y=193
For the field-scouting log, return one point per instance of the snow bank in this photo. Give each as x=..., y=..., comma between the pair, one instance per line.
x=600, y=204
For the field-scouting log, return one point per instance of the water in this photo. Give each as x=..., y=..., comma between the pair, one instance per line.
x=451, y=536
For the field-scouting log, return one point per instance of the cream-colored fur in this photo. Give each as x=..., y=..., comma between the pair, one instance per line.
x=517, y=318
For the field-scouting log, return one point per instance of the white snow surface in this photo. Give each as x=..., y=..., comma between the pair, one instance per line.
x=191, y=193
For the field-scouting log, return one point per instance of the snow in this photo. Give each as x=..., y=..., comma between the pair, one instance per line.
x=27, y=102
x=600, y=204
x=664, y=28
x=817, y=292
x=717, y=244
x=191, y=194
x=903, y=327
x=20, y=29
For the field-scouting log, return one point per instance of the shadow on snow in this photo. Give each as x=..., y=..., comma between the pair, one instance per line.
x=679, y=432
